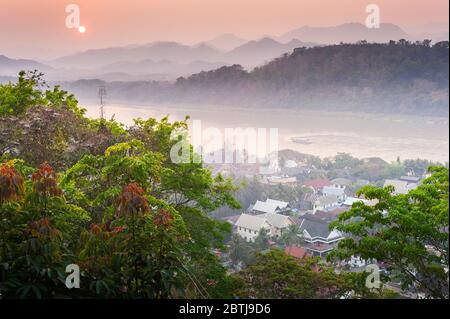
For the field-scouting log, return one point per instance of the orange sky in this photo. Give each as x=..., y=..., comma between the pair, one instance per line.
x=40, y=23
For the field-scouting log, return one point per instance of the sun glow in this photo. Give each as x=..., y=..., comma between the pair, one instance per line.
x=81, y=29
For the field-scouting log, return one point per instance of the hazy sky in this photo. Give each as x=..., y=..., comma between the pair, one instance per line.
x=41, y=23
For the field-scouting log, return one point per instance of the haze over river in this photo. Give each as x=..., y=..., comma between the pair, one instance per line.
x=321, y=133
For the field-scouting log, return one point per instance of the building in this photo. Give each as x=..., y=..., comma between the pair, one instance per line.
x=342, y=183
x=400, y=186
x=317, y=184
x=282, y=180
x=248, y=226
x=338, y=191
x=277, y=222
x=319, y=239
x=270, y=206
x=349, y=201
x=296, y=252
x=326, y=202
x=307, y=201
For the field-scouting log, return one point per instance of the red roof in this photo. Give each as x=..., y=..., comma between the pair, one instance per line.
x=317, y=183
x=294, y=251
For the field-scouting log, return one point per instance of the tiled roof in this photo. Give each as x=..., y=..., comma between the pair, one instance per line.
x=253, y=222
x=315, y=227
x=327, y=200
x=279, y=203
x=295, y=251
x=265, y=207
x=317, y=183
x=269, y=206
x=277, y=220
x=309, y=197
x=256, y=222
x=333, y=190
x=342, y=181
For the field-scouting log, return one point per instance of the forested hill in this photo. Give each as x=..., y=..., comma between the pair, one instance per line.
x=396, y=77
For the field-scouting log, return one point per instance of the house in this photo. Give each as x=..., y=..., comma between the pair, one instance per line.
x=338, y=191
x=331, y=214
x=282, y=205
x=317, y=184
x=318, y=237
x=296, y=252
x=248, y=226
x=307, y=201
x=282, y=180
x=400, y=186
x=342, y=183
x=277, y=222
x=349, y=201
x=326, y=202
x=270, y=206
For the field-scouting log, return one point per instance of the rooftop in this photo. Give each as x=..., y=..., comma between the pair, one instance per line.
x=277, y=220
x=295, y=251
x=342, y=181
x=253, y=222
x=327, y=200
x=317, y=184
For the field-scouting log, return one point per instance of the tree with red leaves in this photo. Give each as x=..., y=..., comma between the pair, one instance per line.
x=44, y=181
x=12, y=184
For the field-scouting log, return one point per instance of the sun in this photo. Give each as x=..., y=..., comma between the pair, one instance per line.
x=81, y=29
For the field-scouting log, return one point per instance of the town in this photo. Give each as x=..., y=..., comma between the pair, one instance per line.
x=301, y=227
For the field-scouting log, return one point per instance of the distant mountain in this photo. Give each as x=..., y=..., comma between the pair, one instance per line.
x=254, y=53
x=399, y=77
x=226, y=42
x=155, y=51
x=169, y=58
x=347, y=33
x=435, y=31
x=11, y=67
x=171, y=69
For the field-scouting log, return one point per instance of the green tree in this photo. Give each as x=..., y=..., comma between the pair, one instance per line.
x=262, y=240
x=38, y=228
x=408, y=232
x=240, y=250
x=277, y=275
x=291, y=236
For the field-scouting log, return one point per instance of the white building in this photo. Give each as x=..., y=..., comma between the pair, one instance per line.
x=326, y=202
x=248, y=226
x=400, y=187
x=269, y=206
x=337, y=191
x=349, y=201
x=341, y=183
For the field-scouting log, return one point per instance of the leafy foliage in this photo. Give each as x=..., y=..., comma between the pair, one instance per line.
x=277, y=275
x=409, y=233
